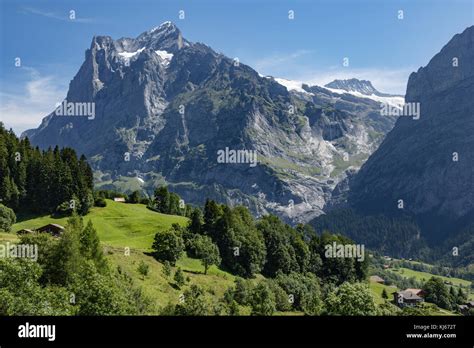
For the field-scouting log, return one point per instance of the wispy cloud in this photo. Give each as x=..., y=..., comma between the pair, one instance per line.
x=37, y=98
x=54, y=15
x=277, y=60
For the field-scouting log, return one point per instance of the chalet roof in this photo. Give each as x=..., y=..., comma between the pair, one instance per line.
x=376, y=278
x=51, y=225
x=413, y=290
x=56, y=225
x=408, y=295
x=25, y=231
x=54, y=228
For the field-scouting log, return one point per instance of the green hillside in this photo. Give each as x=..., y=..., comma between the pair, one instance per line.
x=121, y=225
x=424, y=276
x=377, y=290
x=163, y=290
x=118, y=224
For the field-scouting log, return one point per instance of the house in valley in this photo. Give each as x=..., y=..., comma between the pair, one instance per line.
x=53, y=229
x=406, y=298
x=418, y=292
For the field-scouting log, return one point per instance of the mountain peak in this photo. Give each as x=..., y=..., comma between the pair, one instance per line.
x=354, y=85
x=167, y=26
x=165, y=36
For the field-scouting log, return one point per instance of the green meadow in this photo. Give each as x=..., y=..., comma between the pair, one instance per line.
x=118, y=224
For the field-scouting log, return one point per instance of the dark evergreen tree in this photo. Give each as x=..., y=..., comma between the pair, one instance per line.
x=212, y=212
x=134, y=197
x=39, y=181
x=195, y=222
x=162, y=200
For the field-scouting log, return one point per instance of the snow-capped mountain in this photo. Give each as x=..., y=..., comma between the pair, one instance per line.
x=165, y=107
x=355, y=87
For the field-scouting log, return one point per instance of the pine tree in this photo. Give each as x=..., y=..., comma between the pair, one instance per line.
x=195, y=223
x=212, y=212
x=90, y=246
x=162, y=199
x=461, y=297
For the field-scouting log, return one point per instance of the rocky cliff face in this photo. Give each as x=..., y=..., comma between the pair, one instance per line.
x=428, y=162
x=354, y=85
x=165, y=108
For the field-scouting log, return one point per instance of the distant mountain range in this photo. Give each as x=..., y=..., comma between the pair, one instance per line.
x=165, y=108
x=359, y=86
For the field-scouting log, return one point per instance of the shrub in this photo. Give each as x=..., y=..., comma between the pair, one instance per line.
x=100, y=202
x=143, y=268
x=262, y=300
x=7, y=218
x=179, y=278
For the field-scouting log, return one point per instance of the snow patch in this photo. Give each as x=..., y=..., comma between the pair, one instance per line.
x=393, y=101
x=291, y=85
x=166, y=56
x=128, y=55
x=161, y=26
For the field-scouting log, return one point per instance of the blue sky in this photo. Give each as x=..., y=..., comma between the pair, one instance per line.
x=310, y=48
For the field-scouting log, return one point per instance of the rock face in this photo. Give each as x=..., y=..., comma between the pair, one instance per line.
x=428, y=163
x=165, y=108
x=354, y=85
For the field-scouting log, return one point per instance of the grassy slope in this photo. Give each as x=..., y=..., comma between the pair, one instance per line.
x=122, y=225
x=377, y=291
x=423, y=276
x=118, y=224
x=163, y=290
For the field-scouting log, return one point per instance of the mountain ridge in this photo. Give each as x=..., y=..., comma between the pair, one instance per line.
x=165, y=106
x=355, y=85
x=426, y=163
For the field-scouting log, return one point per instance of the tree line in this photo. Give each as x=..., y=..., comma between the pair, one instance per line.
x=245, y=246
x=49, y=181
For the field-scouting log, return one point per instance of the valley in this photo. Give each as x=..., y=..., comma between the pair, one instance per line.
x=126, y=233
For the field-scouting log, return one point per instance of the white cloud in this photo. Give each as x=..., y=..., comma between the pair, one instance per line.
x=54, y=15
x=38, y=98
x=278, y=60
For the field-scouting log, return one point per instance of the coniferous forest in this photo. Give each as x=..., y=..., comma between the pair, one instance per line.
x=40, y=181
